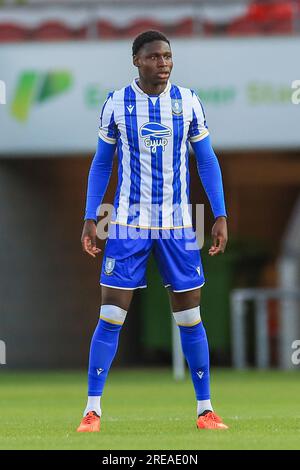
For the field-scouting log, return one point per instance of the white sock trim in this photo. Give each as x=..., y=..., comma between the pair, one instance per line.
x=93, y=404
x=189, y=317
x=203, y=405
x=113, y=314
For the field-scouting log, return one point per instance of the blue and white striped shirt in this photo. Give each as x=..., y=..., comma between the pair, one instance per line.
x=152, y=134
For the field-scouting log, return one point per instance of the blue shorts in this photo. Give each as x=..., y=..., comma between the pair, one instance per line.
x=176, y=252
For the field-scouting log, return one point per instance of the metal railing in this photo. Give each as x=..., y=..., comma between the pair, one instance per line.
x=260, y=297
x=177, y=354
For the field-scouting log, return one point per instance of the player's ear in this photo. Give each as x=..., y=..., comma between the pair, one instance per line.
x=136, y=61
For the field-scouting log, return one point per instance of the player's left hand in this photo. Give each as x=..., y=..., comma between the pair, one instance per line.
x=219, y=236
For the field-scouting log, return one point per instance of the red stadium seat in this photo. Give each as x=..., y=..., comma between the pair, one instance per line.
x=12, y=32
x=184, y=27
x=243, y=27
x=52, y=31
x=83, y=33
x=107, y=30
x=214, y=29
x=208, y=28
x=138, y=26
x=270, y=11
x=267, y=18
x=264, y=18
x=278, y=27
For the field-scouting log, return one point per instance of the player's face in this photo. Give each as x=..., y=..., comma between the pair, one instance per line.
x=154, y=61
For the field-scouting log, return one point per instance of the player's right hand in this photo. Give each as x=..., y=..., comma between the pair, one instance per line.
x=88, y=238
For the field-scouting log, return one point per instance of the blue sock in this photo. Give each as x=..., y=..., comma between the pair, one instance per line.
x=195, y=348
x=103, y=348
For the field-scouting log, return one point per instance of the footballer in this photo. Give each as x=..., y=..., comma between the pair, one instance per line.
x=150, y=124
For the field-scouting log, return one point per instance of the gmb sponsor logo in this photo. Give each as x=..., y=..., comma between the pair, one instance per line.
x=155, y=135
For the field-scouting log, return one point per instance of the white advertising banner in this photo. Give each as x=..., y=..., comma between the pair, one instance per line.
x=51, y=94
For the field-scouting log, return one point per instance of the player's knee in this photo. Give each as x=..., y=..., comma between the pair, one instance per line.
x=185, y=300
x=117, y=297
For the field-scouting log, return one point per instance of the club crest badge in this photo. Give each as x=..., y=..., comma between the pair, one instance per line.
x=109, y=265
x=177, y=107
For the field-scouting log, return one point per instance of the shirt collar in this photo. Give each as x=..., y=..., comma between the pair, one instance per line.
x=141, y=92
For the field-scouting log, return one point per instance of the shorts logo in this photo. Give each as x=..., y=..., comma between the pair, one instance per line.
x=198, y=270
x=155, y=135
x=109, y=265
x=177, y=107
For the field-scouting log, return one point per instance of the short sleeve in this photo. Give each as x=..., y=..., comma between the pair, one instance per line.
x=108, y=128
x=198, y=128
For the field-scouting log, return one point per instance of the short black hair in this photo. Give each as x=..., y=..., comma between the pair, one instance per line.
x=147, y=36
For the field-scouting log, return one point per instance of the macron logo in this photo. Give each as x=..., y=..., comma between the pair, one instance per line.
x=99, y=371
x=130, y=108
x=198, y=270
x=200, y=374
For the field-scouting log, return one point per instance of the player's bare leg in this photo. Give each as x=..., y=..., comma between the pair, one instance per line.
x=186, y=311
x=114, y=306
x=185, y=300
x=119, y=297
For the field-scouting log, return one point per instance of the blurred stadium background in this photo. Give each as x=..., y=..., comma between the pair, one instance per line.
x=58, y=60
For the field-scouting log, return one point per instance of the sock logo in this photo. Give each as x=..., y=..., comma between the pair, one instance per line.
x=200, y=374
x=99, y=371
x=37, y=87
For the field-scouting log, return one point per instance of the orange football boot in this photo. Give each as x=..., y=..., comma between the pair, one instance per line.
x=210, y=420
x=90, y=423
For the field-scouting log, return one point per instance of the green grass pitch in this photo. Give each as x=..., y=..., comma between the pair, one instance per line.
x=148, y=410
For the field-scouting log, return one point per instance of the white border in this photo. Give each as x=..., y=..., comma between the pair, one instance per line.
x=186, y=290
x=123, y=288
